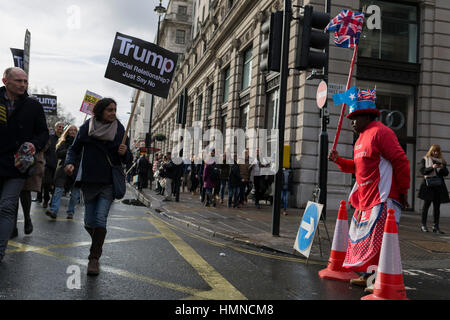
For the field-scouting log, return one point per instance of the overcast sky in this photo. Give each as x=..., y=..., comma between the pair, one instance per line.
x=69, y=51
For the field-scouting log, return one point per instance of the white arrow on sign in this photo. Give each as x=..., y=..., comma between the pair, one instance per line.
x=308, y=227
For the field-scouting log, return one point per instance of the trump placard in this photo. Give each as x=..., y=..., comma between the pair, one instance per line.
x=141, y=65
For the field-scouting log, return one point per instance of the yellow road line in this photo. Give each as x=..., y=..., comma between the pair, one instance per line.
x=221, y=288
x=248, y=251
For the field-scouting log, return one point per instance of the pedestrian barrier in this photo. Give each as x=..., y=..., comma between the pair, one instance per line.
x=389, y=281
x=334, y=271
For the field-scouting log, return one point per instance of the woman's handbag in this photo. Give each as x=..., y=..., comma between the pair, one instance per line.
x=119, y=184
x=433, y=181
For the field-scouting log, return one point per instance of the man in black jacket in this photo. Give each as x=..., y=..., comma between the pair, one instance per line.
x=51, y=163
x=142, y=169
x=22, y=120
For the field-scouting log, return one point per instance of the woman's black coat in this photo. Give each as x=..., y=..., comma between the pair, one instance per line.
x=428, y=193
x=95, y=168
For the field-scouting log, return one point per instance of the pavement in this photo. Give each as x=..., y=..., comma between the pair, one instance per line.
x=251, y=226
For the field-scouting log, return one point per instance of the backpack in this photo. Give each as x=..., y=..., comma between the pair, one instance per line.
x=215, y=173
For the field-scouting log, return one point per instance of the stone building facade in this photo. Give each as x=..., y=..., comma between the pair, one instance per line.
x=407, y=59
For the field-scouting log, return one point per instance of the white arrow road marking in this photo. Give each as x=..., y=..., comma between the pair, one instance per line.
x=308, y=227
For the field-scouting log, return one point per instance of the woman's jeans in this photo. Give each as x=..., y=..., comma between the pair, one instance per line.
x=96, y=212
x=56, y=200
x=285, y=198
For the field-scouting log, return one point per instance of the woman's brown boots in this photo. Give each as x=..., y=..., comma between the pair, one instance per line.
x=98, y=238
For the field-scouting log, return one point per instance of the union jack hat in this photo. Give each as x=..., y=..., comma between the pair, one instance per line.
x=365, y=104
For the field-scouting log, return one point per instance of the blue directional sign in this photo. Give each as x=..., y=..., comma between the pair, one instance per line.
x=307, y=229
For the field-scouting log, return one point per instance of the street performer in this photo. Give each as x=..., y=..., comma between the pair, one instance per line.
x=382, y=176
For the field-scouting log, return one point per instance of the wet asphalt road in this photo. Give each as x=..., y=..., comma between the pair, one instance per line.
x=147, y=257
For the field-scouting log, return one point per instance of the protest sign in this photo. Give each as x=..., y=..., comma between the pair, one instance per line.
x=89, y=101
x=49, y=103
x=17, y=57
x=141, y=65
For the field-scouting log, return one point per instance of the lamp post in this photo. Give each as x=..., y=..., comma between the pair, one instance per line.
x=160, y=10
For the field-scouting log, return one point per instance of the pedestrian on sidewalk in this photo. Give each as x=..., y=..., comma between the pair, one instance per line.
x=244, y=169
x=99, y=143
x=186, y=175
x=51, y=162
x=224, y=176
x=382, y=176
x=200, y=169
x=178, y=177
x=286, y=189
x=234, y=184
x=155, y=170
x=169, y=172
x=193, y=176
x=142, y=171
x=33, y=183
x=211, y=177
x=258, y=178
x=433, y=167
x=62, y=181
x=22, y=128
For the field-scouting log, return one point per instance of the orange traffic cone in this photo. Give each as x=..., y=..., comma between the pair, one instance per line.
x=389, y=281
x=334, y=271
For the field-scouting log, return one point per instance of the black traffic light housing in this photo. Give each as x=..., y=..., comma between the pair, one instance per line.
x=182, y=108
x=312, y=43
x=272, y=45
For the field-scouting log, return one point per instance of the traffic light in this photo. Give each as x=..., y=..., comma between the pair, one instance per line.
x=271, y=46
x=182, y=108
x=312, y=43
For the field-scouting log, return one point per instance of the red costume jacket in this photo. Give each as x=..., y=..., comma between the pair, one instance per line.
x=380, y=166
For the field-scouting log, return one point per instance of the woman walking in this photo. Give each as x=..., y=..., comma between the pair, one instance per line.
x=62, y=181
x=433, y=189
x=99, y=142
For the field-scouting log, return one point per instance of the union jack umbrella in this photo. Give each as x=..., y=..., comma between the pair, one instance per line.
x=367, y=94
x=347, y=27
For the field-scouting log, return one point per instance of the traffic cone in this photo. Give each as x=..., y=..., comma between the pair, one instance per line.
x=389, y=281
x=334, y=271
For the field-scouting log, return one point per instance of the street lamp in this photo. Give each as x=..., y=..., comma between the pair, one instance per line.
x=160, y=10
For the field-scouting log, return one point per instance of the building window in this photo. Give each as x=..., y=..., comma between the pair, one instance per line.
x=199, y=107
x=180, y=36
x=210, y=99
x=244, y=116
x=226, y=84
x=182, y=10
x=398, y=37
x=247, y=71
x=272, y=110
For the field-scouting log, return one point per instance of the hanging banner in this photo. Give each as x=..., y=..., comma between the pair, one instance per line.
x=89, y=101
x=141, y=65
x=49, y=103
x=26, y=52
x=17, y=57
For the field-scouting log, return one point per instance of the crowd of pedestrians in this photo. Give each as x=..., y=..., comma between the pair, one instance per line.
x=69, y=160
x=210, y=180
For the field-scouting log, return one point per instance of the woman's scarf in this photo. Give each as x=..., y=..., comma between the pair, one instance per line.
x=429, y=161
x=102, y=131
